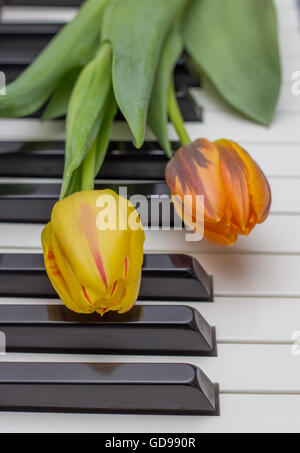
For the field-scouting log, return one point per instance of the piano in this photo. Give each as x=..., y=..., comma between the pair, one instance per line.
x=214, y=338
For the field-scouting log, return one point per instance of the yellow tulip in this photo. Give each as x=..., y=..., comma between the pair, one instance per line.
x=93, y=268
x=236, y=193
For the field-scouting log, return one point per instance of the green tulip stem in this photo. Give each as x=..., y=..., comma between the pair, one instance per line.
x=176, y=116
x=88, y=169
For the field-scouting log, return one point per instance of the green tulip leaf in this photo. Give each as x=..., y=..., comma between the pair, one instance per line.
x=86, y=110
x=104, y=132
x=73, y=46
x=158, y=109
x=235, y=43
x=137, y=30
x=58, y=104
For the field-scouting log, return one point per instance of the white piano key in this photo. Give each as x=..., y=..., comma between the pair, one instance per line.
x=288, y=101
x=237, y=319
x=236, y=127
x=253, y=320
x=238, y=368
x=31, y=14
x=241, y=319
x=31, y=129
x=279, y=234
x=211, y=101
x=239, y=414
x=285, y=195
x=215, y=125
x=285, y=4
x=289, y=42
x=288, y=18
x=253, y=275
x=276, y=160
x=289, y=66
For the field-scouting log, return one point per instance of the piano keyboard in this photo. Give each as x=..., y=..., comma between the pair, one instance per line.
x=238, y=353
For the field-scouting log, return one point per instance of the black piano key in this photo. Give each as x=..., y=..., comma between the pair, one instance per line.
x=33, y=202
x=191, y=111
x=177, y=278
x=20, y=44
x=122, y=388
x=148, y=330
x=11, y=71
x=46, y=159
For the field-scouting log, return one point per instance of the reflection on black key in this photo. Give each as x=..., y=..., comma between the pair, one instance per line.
x=145, y=329
x=46, y=160
x=122, y=388
x=174, y=278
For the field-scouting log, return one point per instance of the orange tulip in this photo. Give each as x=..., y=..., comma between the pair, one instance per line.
x=236, y=193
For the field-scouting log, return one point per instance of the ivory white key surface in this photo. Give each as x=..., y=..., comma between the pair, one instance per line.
x=239, y=368
x=289, y=66
x=253, y=275
x=257, y=282
x=212, y=101
x=238, y=319
x=253, y=320
x=215, y=125
x=15, y=14
x=278, y=235
x=239, y=414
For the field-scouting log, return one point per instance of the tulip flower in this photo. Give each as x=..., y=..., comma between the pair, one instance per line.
x=93, y=268
x=236, y=193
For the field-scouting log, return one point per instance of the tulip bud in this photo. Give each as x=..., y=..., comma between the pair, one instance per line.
x=92, y=268
x=236, y=193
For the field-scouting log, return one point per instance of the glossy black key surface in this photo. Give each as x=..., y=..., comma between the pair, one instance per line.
x=46, y=159
x=20, y=44
x=33, y=202
x=132, y=388
x=171, y=278
x=145, y=329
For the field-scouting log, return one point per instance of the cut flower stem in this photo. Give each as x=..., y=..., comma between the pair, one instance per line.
x=176, y=116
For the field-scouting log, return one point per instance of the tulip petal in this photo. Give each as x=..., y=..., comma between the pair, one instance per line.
x=74, y=285
x=88, y=226
x=53, y=271
x=235, y=181
x=195, y=170
x=91, y=268
x=258, y=185
x=132, y=292
x=219, y=238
